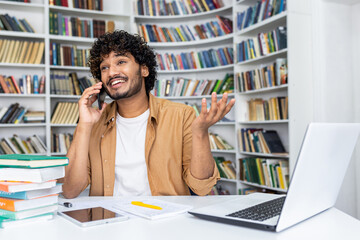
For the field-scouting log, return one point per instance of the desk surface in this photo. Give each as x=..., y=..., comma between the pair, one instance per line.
x=331, y=224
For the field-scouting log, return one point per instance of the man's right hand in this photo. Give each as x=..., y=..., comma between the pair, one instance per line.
x=88, y=114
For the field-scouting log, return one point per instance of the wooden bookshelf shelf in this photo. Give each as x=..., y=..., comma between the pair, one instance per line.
x=264, y=90
x=225, y=38
x=266, y=58
x=276, y=20
x=262, y=186
x=187, y=16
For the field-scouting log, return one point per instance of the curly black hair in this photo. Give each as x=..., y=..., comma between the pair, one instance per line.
x=123, y=42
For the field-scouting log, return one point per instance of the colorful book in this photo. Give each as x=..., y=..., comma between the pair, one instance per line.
x=12, y=187
x=31, y=194
x=31, y=161
x=21, y=204
x=28, y=213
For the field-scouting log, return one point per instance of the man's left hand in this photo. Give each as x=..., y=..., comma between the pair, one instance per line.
x=216, y=112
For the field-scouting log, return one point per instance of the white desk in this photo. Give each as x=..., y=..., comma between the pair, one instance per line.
x=332, y=224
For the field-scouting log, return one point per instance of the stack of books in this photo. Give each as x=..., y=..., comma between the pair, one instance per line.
x=28, y=188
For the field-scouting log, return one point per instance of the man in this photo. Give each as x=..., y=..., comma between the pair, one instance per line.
x=138, y=144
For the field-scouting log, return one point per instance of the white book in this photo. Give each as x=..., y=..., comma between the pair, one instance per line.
x=146, y=208
x=11, y=145
x=37, y=175
x=5, y=223
x=32, y=194
x=3, y=111
x=28, y=213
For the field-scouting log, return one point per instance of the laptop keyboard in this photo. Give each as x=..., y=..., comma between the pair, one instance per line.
x=262, y=211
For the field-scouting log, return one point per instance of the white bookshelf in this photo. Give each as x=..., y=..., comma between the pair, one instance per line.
x=300, y=102
x=37, y=13
x=299, y=89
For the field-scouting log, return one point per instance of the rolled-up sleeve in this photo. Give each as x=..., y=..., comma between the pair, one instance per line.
x=199, y=186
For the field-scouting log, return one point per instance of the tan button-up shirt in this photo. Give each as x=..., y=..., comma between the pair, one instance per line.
x=168, y=146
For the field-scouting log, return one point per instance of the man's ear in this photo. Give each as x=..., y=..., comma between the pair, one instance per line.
x=144, y=71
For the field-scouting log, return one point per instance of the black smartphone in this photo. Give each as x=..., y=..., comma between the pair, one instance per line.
x=101, y=97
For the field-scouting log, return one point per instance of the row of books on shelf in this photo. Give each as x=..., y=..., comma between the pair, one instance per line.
x=271, y=75
x=219, y=143
x=78, y=27
x=18, y=51
x=65, y=83
x=29, y=193
x=13, y=24
x=193, y=87
x=184, y=33
x=60, y=142
x=19, y=114
x=267, y=172
x=65, y=113
x=262, y=10
x=258, y=140
x=195, y=60
x=175, y=7
x=17, y=145
x=275, y=108
x=226, y=168
x=25, y=85
x=263, y=44
x=65, y=55
x=82, y=4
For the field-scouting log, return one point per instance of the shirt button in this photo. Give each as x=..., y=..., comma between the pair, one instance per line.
x=107, y=186
x=102, y=136
x=105, y=161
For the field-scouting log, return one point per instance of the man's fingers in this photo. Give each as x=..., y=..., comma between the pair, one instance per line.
x=203, y=106
x=228, y=108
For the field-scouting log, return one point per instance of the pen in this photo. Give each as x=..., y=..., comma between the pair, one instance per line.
x=141, y=204
x=66, y=204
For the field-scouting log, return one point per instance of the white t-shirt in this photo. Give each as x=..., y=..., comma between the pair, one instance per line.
x=130, y=167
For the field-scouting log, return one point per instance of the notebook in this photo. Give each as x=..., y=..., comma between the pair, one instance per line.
x=320, y=169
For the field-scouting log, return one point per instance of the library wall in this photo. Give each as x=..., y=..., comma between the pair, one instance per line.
x=355, y=13
x=334, y=81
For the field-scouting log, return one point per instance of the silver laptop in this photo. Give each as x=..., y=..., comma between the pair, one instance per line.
x=320, y=169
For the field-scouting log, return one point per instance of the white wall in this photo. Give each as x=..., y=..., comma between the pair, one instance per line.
x=355, y=12
x=334, y=77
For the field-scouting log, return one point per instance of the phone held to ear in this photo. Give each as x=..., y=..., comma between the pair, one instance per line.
x=101, y=97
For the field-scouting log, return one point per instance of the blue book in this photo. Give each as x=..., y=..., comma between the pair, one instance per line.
x=34, y=193
x=184, y=61
x=210, y=4
x=192, y=36
x=223, y=57
x=54, y=54
x=36, y=84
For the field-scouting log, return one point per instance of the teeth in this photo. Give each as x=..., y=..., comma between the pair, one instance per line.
x=117, y=81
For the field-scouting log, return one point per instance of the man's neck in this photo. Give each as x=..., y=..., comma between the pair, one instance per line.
x=133, y=106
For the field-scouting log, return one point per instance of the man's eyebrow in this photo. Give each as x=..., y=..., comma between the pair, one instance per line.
x=121, y=55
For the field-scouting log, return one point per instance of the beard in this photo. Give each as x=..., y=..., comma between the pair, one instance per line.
x=135, y=87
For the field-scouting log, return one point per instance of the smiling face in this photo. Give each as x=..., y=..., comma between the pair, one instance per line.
x=122, y=77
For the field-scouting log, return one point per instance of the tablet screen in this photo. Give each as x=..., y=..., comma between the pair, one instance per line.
x=92, y=216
